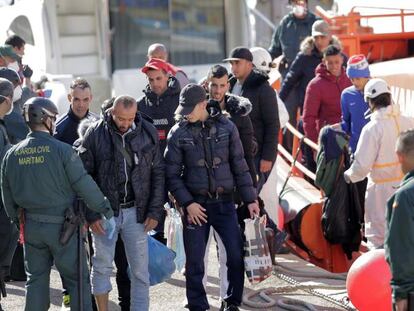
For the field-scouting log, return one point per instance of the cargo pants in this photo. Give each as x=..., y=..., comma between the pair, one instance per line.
x=42, y=249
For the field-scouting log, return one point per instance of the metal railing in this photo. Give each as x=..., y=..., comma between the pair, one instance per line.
x=352, y=20
x=297, y=168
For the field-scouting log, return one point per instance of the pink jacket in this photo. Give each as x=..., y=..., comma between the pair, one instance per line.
x=322, y=104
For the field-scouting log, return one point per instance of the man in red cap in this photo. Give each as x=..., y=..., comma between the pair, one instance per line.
x=161, y=96
x=158, y=50
x=160, y=102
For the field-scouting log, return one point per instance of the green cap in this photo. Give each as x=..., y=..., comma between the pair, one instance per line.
x=7, y=51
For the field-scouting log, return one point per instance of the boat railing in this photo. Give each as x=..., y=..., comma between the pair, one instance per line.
x=352, y=21
x=298, y=169
x=367, y=34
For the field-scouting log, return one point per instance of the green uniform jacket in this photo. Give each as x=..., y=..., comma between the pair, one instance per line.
x=43, y=175
x=399, y=238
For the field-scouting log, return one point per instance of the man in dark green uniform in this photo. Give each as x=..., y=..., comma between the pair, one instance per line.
x=399, y=236
x=8, y=232
x=41, y=178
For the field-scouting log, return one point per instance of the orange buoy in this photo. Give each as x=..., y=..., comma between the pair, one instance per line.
x=368, y=282
x=280, y=217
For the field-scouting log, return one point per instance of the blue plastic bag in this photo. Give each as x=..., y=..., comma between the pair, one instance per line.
x=160, y=261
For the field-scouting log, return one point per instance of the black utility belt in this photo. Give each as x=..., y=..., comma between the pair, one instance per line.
x=224, y=197
x=49, y=219
x=127, y=204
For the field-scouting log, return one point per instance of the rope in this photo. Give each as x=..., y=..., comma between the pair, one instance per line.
x=290, y=304
x=293, y=304
x=303, y=274
x=311, y=290
x=287, y=304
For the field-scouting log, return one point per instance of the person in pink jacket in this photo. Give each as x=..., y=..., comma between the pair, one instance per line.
x=322, y=104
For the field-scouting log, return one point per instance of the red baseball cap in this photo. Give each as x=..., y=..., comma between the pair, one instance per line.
x=159, y=64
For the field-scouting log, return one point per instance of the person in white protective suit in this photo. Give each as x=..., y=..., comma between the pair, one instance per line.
x=374, y=157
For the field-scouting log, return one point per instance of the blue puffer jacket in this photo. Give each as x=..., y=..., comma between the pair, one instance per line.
x=353, y=108
x=206, y=158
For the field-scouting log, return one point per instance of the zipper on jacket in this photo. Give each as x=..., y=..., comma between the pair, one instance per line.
x=126, y=173
x=209, y=160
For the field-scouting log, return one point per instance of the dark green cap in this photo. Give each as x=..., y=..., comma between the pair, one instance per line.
x=7, y=51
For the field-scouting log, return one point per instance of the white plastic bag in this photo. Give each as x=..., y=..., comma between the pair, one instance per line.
x=283, y=113
x=257, y=261
x=175, y=240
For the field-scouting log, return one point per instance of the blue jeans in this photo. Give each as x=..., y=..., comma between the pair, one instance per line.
x=136, y=249
x=223, y=218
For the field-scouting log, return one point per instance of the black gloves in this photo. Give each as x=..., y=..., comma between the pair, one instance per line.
x=27, y=71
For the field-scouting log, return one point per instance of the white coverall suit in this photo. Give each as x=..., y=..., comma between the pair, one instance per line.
x=375, y=157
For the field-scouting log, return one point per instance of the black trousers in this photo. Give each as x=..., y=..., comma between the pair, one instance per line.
x=362, y=188
x=8, y=242
x=222, y=217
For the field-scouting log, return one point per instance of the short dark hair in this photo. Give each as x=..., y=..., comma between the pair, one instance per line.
x=15, y=41
x=217, y=71
x=405, y=142
x=107, y=104
x=80, y=83
x=381, y=101
x=126, y=100
x=331, y=50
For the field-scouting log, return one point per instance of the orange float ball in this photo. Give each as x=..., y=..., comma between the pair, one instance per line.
x=368, y=282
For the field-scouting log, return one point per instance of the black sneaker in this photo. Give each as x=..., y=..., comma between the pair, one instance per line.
x=270, y=239
x=232, y=308
x=280, y=238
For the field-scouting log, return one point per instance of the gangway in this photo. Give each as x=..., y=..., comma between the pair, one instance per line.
x=390, y=51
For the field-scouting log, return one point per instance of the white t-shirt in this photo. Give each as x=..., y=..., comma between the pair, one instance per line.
x=237, y=89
